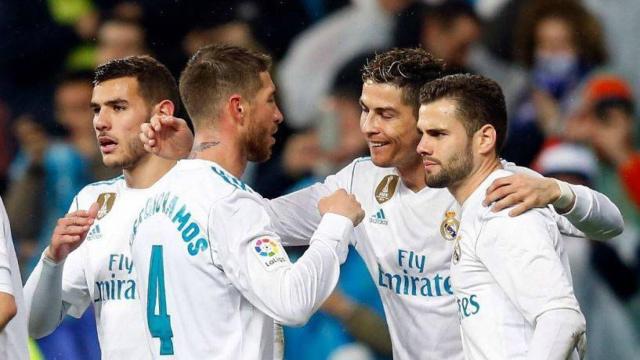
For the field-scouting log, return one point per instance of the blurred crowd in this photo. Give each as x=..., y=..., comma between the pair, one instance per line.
x=567, y=67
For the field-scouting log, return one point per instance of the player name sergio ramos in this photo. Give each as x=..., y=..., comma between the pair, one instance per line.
x=166, y=203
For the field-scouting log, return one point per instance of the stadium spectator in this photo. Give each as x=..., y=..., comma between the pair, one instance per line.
x=560, y=43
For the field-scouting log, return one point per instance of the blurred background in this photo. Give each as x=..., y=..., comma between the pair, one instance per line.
x=568, y=69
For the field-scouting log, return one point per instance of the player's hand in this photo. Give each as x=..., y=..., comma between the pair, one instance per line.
x=167, y=136
x=70, y=232
x=521, y=191
x=342, y=203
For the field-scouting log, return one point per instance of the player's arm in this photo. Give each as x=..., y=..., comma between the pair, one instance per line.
x=57, y=284
x=8, y=307
x=585, y=212
x=255, y=262
x=295, y=217
x=528, y=269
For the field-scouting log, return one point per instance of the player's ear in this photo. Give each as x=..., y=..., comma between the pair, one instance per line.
x=164, y=107
x=237, y=108
x=486, y=139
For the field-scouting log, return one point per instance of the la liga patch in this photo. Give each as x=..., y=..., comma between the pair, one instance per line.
x=270, y=253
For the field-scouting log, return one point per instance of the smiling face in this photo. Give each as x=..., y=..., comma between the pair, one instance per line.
x=389, y=126
x=118, y=112
x=445, y=146
x=264, y=117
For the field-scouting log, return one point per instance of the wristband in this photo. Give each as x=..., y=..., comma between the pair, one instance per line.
x=566, y=196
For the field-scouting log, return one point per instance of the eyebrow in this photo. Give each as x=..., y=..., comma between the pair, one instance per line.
x=378, y=109
x=113, y=102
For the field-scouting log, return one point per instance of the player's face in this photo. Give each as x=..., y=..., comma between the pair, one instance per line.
x=264, y=118
x=389, y=125
x=118, y=112
x=445, y=146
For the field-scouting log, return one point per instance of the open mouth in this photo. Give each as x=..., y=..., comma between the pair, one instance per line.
x=107, y=144
x=376, y=145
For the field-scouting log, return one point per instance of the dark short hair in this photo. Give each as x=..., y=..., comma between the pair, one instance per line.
x=479, y=102
x=154, y=79
x=215, y=72
x=407, y=69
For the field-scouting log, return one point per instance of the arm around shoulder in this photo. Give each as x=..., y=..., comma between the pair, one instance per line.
x=594, y=214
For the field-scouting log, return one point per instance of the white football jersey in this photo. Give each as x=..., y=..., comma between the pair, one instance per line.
x=213, y=275
x=13, y=339
x=406, y=242
x=506, y=271
x=101, y=271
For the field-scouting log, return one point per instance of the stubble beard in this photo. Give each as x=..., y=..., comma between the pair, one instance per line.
x=457, y=169
x=133, y=152
x=258, y=144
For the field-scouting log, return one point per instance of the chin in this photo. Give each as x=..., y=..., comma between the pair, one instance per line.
x=381, y=161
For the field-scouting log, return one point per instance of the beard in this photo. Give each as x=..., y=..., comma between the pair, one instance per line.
x=133, y=151
x=455, y=170
x=258, y=143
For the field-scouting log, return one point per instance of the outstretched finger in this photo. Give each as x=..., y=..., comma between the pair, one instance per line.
x=75, y=220
x=520, y=209
x=69, y=239
x=500, y=182
x=93, y=210
x=74, y=230
x=497, y=194
x=505, y=202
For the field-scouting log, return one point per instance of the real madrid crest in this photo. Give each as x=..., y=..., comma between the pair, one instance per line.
x=386, y=188
x=450, y=225
x=105, y=200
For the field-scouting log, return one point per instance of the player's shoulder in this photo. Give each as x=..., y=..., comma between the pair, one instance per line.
x=361, y=171
x=91, y=192
x=536, y=218
x=209, y=178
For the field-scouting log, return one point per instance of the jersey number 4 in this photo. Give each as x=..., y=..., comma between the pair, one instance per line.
x=160, y=323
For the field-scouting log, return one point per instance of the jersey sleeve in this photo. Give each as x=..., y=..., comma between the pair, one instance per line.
x=75, y=292
x=6, y=284
x=593, y=215
x=295, y=216
x=525, y=263
x=256, y=263
x=49, y=305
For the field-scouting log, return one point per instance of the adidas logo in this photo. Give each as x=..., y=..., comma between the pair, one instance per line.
x=379, y=218
x=94, y=233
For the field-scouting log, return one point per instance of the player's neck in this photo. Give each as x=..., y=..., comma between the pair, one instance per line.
x=147, y=171
x=412, y=176
x=465, y=187
x=208, y=145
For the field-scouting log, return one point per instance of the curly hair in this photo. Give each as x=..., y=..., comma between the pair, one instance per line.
x=584, y=27
x=408, y=69
x=479, y=101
